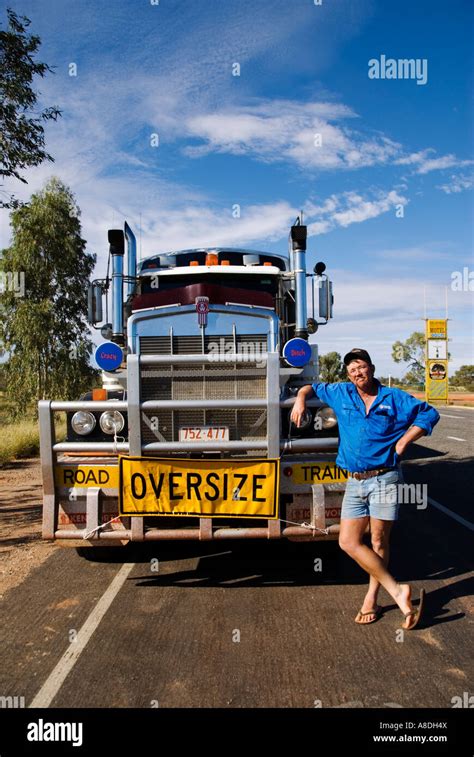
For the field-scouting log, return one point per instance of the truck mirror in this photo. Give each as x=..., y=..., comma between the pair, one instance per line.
x=94, y=304
x=324, y=297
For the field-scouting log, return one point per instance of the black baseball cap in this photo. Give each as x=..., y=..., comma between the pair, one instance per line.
x=357, y=354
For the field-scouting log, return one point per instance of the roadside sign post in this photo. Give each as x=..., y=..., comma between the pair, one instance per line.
x=436, y=354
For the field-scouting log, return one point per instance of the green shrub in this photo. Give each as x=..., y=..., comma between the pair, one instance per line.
x=22, y=440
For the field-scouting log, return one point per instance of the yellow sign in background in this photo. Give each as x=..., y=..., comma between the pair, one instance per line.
x=436, y=329
x=436, y=371
x=85, y=476
x=318, y=473
x=219, y=488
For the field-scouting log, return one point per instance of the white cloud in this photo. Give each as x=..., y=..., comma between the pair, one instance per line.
x=457, y=184
x=414, y=157
x=361, y=210
x=170, y=215
x=349, y=208
x=101, y=145
x=200, y=225
x=437, y=164
x=426, y=162
x=279, y=130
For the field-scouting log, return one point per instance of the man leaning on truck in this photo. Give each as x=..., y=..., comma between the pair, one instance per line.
x=376, y=425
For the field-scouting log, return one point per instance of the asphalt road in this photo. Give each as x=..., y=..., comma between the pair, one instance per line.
x=253, y=624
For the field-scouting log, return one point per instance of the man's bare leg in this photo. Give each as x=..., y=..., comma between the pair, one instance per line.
x=351, y=541
x=380, y=539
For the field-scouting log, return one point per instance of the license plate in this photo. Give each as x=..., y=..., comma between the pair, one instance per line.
x=203, y=434
x=297, y=513
x=207, y=488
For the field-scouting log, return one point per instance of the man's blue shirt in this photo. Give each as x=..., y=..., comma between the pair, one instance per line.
x=367, y=441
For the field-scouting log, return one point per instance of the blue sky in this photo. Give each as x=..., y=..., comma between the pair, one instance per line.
x=386, y=188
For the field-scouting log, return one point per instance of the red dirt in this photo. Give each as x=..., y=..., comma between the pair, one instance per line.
x=21, y=547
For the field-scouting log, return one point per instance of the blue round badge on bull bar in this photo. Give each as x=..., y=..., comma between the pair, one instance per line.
x=297, y=352
x=108, y=356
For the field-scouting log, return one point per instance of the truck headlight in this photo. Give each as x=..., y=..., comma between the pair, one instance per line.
x=327, y=418
x=83, y=422
x=112, y=422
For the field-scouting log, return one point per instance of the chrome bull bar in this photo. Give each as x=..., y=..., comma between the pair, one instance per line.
x=273, y=446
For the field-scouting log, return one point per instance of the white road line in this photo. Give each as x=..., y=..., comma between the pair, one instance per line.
x=456, y=438
x=56, y=679
x=445, y=415
x=446, y=511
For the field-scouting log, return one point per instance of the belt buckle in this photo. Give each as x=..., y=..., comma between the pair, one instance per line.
x=364, y=475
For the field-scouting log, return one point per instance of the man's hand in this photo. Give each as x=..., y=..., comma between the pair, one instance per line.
x=413, y=433
x=400, y=447
x=299, y=408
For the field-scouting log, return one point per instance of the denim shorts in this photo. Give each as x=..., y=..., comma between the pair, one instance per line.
x=376, y=497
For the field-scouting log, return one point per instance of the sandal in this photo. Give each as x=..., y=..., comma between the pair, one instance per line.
x=415, y=614
x=377, y=611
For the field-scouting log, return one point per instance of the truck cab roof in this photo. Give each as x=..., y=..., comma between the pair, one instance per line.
x=225, y=256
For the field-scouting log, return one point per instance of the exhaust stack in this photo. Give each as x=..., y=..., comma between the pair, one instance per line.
x=298, y=241
x=131, y=259
x=117, y=251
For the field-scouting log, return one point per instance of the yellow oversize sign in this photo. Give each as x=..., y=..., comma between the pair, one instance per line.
x=219, y=488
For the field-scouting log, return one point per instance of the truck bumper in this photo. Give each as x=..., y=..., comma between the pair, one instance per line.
x=83, y=507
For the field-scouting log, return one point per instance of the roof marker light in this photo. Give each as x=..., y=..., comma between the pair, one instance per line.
x=98, y=395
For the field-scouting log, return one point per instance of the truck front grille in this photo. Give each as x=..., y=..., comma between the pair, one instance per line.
x=202, y=382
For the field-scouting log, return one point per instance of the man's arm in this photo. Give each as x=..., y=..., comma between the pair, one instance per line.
x=299, y=408
x=421, y=416
x=413, y=433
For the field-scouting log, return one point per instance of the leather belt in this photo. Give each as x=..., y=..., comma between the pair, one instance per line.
x=362, y=475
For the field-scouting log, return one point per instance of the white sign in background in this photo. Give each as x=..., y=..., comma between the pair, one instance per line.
x=437, y=350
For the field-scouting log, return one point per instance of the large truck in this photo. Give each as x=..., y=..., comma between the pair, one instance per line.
x=190, y=435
